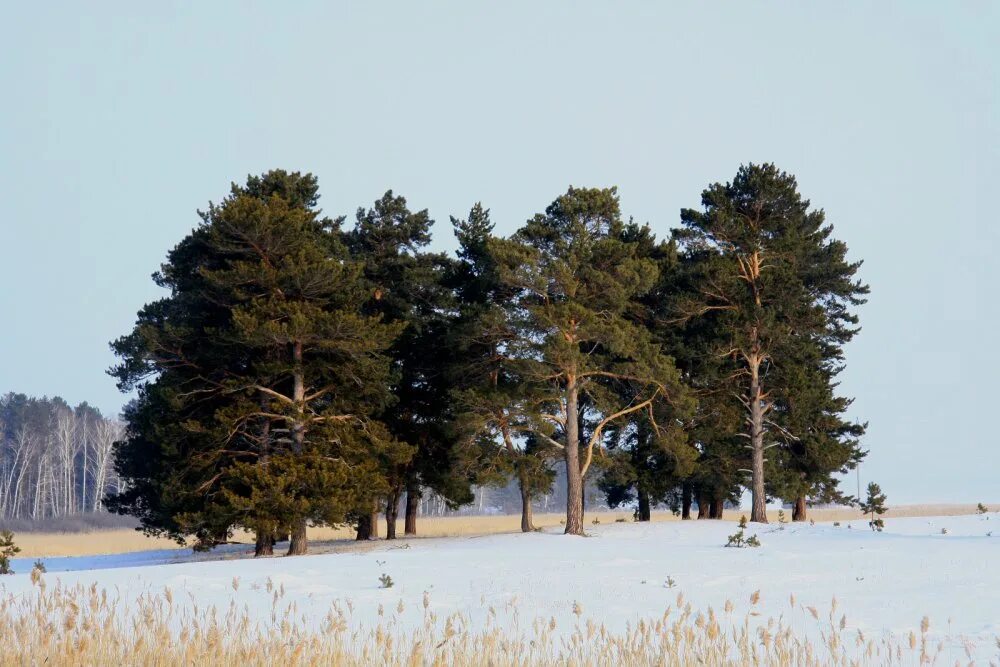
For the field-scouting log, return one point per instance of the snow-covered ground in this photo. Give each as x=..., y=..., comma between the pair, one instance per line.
x=884, y=582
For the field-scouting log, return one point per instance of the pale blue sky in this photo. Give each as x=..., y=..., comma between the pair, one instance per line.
x=120, y=119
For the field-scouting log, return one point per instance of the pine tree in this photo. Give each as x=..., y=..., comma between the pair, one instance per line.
x=769, y=276
x=650, y=459
x=576, y=281
x=874, y=506
x=7, y=551
x=487, y=391
x=256, y=376
x=409, y=290
x=826, y=444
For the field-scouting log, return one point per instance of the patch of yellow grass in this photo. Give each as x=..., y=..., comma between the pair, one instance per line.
x=52, y=545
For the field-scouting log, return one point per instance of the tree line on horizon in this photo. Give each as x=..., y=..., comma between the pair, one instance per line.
x=306, y=371
x=55, y=460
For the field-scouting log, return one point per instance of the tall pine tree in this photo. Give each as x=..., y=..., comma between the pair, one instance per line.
x=576, y=280
x=769, y=275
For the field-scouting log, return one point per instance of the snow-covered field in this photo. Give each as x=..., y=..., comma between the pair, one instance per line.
x=883, y=582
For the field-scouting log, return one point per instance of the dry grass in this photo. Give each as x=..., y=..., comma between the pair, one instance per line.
x=78, y=625
x=51, y=545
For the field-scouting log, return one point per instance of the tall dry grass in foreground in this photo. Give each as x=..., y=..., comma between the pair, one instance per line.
x=76, y=625
x=55, y=544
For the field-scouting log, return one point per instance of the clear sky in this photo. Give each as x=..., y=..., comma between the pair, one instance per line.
x=120, y=119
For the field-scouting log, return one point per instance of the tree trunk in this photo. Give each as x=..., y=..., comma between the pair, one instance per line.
x=799, y=510
x=718, y=504
x=412, y=506
x=703, y=505
x=264, y=544
x=643, y=512
x=686, y=502
x=298, y=544
x=391, y=514
x=527, y=522
x=368, y=524
x=364, y=528
x=574, y=479
x=373, y=519
x=758, y=510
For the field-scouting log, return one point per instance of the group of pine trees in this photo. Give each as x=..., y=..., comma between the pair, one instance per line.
x=306, y=371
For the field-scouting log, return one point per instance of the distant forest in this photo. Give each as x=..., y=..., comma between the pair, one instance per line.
x=55, y=460
x=305, y=370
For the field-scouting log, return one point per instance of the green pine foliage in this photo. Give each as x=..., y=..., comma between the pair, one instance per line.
x=778, y=293
x=257, y=376
x=577, y=276
x=301, y=371
x=7, y=551
x=874, y=507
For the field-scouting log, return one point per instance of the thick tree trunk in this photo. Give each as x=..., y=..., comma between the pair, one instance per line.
x=527, y=520
x=391, y=514
x=574, y=479
x=718, y=504
x=373, y=520
x=643, y=512
x=686, y=502
x=264, y=544
x=799, y=510
x=758, y=509
x=412, y=507
x=703, y=505
x=364, y=528
x=368, y=524
x=298, y=544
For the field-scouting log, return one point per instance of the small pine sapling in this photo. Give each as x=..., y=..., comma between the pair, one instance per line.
x=739, y=540
x=386, y=581
x=39, y=566
x=982, y=509
x=7, y=551
x=874, y=506
x=781, y=516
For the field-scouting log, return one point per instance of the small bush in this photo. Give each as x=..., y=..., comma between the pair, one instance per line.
x=386, y=581
x=982, y=509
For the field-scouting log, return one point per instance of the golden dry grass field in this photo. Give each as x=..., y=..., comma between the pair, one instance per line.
x=51, y=545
